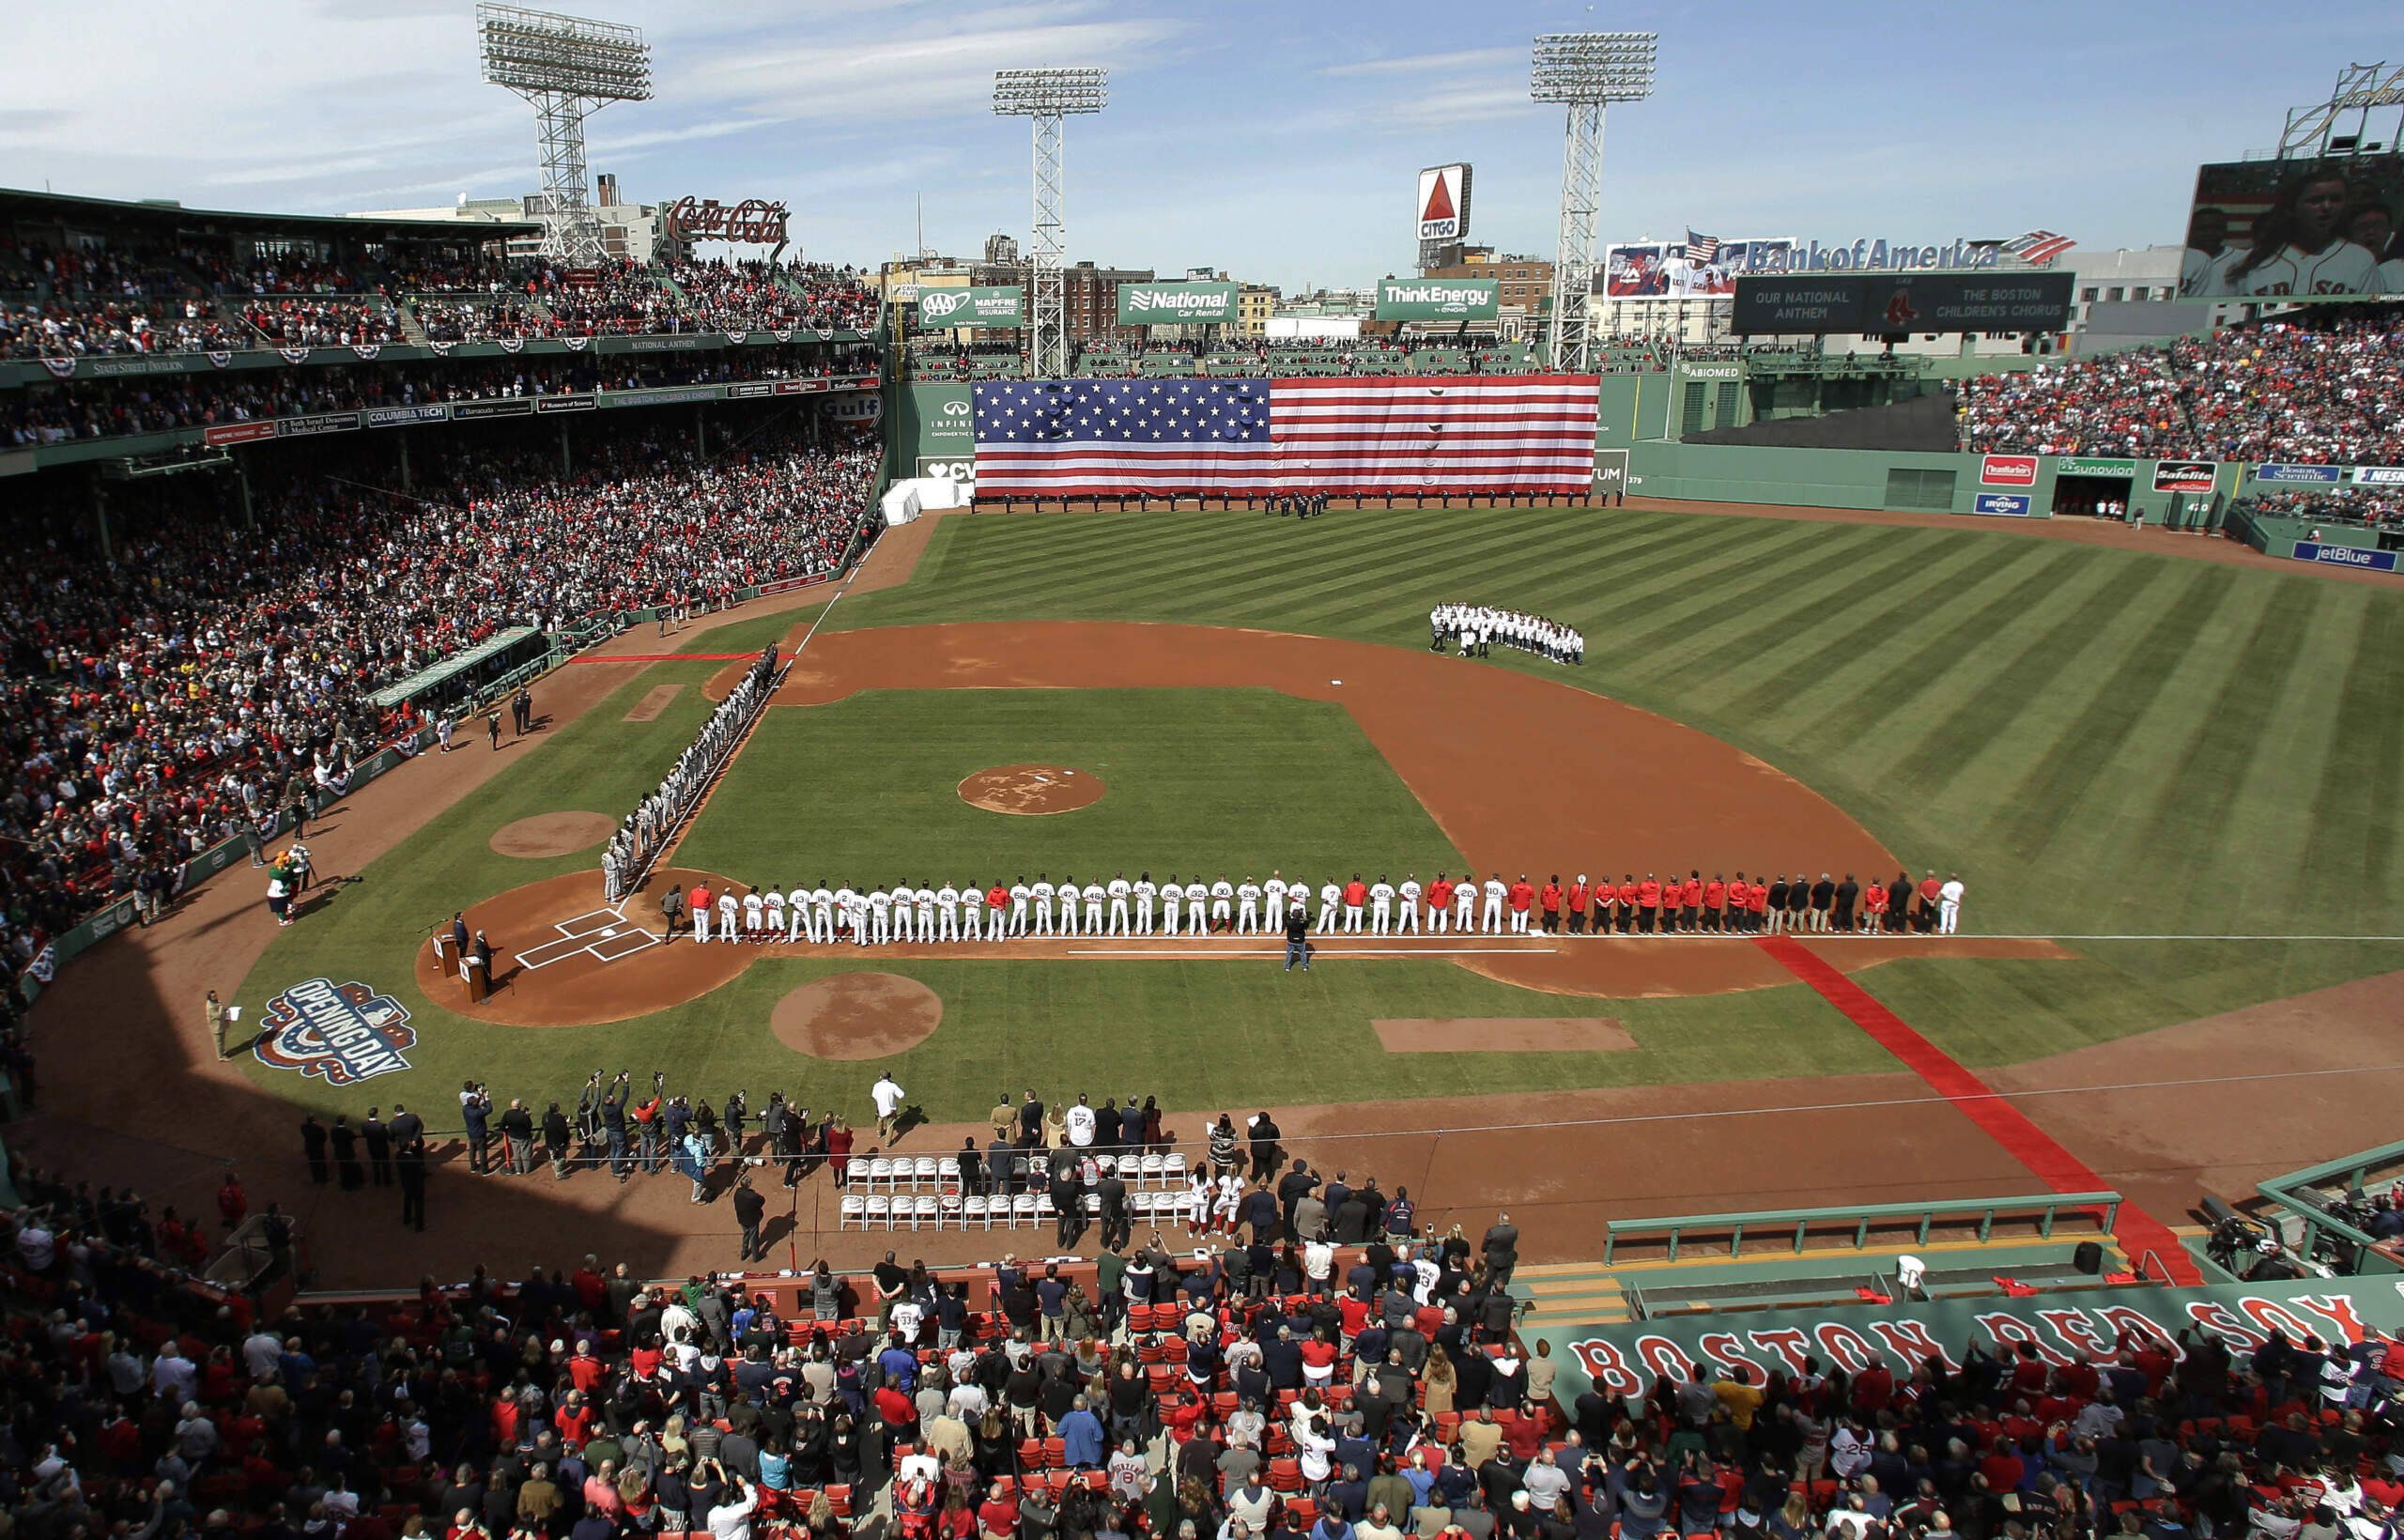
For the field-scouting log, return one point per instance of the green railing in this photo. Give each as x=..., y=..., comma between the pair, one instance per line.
x=1799, y=1223
x=2347, y=1173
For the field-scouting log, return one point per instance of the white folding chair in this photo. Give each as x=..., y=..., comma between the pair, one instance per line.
x=973, y=1210
x=1173, y=1168
x=947, y=1171
x=855, y=1211
x=924, y=1212
x=880, y=1212
x=880, y=1173
x=930, y=1174
x=1025, y=1210
x=1151, y=1169
x=1106, y=1163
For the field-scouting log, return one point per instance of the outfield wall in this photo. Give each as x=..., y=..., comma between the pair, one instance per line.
x=934, y=434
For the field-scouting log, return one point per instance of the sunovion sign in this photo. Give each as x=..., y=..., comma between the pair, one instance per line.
x=1621, y=1360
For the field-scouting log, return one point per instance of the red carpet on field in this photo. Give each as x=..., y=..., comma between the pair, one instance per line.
x=2138, y=1231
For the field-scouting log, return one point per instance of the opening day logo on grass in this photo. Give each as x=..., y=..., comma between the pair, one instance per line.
x=341, y=1034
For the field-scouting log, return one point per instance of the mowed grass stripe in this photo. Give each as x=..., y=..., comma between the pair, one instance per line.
x=2188, y=819
x=2351, y=843
x=1996, y=711
x=1742, y=605
x=2299, y=731
x=2084, y=750
x=1912, y=666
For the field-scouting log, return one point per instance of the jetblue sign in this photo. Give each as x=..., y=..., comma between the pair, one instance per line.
x=2009, y=505
x=2346, y=556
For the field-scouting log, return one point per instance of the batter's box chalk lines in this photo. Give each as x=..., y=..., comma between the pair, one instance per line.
x=605, y=936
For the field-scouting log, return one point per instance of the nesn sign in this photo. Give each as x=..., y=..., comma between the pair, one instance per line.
x=2010, y=504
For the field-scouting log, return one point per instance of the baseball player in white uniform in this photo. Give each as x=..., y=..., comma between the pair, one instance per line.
x=972, y=911
x=1380, y=906
x=1171, y=897
x=1272, y=913
x=1095, y=895
x=946, y=912
x=821, y=904
x=1118, y=889
x=755, y=915
x=1019, y=893
x=903, y=930
x=881, y=917
x=1222, y=896
x=1041, y=893
x=925, y=902
x=727, y=905
x=1146, y=891
x=1494, y=891
x=1327, y=894
x=845, y=900
x=1196, y=897
x=774, y=901
x=1409, y=918
x=859, y=911
x=1465, y=903
x=1247, y=906
x=1067, y=896
x=1949, y=905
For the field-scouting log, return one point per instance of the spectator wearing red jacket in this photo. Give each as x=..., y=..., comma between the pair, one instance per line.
x=1627, y=897
x=1523, y=898
x=1552, y=900
x=1578, y=896
x=1648, y=905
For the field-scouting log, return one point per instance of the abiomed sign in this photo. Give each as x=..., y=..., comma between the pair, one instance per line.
x=1169, y=304
x=341, y=1034
x=1623, y=1359
x=1439, y=298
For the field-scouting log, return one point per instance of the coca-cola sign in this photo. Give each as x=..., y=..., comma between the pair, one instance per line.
x=752, y=221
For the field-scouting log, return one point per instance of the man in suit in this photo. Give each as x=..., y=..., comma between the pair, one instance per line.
x=1118, y=1225
x=1030, y=1122
x=1502, y=1249
x=378, y=1139
x=1291, y=1188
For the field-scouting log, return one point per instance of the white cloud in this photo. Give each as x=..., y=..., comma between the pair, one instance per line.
x=1474, y=58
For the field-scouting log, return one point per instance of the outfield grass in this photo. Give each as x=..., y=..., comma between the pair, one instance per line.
x=1256, y=779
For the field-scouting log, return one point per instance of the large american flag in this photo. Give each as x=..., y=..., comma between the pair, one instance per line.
x=1464, y=433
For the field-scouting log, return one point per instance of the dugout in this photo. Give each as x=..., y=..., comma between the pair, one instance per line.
x=2085, y=494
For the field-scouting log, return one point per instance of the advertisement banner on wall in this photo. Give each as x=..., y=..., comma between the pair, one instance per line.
x=1610, y=472
x=2320, y=475
x=947, y=421
x=940, y=309
x=2184, y=475
x=401, y=417
x=1876, y=304
x=237, y=433
x=1439, y=298
x=2009, y=471
x=2344, y=556
x=2001, y=505
x=509, y=406
x=2378, y=475
x=1621, y=1360
x=1635, y=271
x=1170, y=304
x=313, y=424
x=2080, y=465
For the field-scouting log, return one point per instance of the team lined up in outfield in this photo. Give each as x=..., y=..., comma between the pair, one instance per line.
x=1651, y=905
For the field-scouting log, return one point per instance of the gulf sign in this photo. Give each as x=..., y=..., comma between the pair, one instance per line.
x=1443, y=204
x=2009, y=471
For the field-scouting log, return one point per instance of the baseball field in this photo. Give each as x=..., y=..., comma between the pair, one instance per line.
x=2169, y=784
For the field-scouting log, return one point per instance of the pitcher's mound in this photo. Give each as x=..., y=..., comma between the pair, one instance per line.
x=1031, y=789
x=552, y=834
x=857, y=1016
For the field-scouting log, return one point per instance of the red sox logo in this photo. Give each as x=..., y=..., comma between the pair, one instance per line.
x=1900, y=314
x=338, y=1033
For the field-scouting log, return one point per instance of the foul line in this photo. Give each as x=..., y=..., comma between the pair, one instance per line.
x=664, y=658
x=2044, y=1156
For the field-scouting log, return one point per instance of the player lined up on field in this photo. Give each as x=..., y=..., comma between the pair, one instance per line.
x=1650, y=905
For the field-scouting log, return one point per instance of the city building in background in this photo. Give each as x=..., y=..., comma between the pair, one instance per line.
x=630, y=232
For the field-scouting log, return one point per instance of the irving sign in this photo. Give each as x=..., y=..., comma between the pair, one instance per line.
x=754, y=220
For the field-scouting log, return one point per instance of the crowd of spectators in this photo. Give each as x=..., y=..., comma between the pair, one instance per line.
x=2327, y=392
x=1274, y=1387
x=168, y=697
x=2361, y=507
x=130, y=324
x=454, y=321
x=322, y=322
x=49, y=414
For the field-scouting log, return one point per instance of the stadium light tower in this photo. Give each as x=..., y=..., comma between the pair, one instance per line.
x=569, y=68
x=1584, y=70
x=1046, y=95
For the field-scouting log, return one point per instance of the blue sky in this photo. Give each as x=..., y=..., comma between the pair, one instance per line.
x=1277, y=141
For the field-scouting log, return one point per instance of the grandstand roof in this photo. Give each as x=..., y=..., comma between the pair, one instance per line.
x=17, y=203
